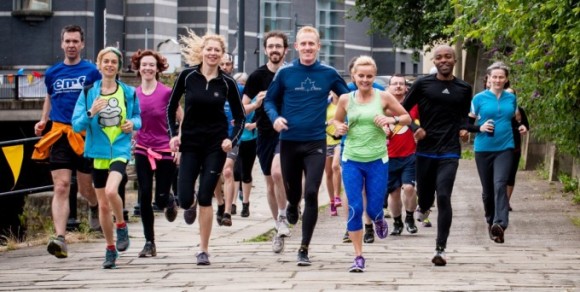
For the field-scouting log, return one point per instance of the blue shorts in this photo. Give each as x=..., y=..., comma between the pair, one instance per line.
x=401, y=171
x=266, y=147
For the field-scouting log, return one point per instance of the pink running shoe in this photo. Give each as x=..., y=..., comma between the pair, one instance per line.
x=333, y=211
x=337, y=202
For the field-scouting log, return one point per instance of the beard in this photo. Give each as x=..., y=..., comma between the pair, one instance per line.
x=276, y=58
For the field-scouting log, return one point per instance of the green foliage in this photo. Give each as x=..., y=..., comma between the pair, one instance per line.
x=569, y=184
x=467, y=154
x=542, y=171
x=264, y=237
x=539, y=40
x=409, y=24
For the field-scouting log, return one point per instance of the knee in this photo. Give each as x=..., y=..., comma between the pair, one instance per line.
x=228, y=173
x=61, y=188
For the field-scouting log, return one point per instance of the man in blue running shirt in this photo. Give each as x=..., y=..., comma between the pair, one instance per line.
x=296, y=103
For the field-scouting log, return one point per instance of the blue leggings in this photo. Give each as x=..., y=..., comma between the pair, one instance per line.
x=373, y=176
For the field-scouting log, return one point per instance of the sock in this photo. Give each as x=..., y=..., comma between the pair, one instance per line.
x=368, y=227
x=121, y=225
x=409, y=214
x=281, y=212
x=398, y=219
x=221, y=208
x=95, y=207
x=304, y=247
x=60, y=237
x=111, y=247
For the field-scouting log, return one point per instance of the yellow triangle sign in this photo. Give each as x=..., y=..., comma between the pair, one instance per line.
x=14, y=156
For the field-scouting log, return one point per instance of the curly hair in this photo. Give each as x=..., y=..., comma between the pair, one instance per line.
x=192, y=45
x=161, y=61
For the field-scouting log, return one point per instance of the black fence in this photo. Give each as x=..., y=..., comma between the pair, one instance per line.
x=19, y=87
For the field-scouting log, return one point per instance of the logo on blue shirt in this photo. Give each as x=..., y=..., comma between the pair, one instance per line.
x=69, y=83
x=308, y=85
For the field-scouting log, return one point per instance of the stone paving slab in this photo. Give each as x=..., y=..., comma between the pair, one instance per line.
x=541, y=253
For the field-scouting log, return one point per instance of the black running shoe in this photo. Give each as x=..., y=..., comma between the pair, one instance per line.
x=292, y=214
x=397, y=228
x=148, y=250
x=219, y=214
x=369, y=236
x=227, y=220
x=171, y=209
x=245, y=210
x=497, y=232
x=302, y=259
x=439, y=258
x=234, y=209
x=411, y=226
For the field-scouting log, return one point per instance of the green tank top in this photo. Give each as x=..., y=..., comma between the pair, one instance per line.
x=113, y=116
x=364, y=141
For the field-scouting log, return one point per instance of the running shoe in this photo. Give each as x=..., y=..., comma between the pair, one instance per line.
x=333, y=211
x=421, y=216
x=427, y=223
x=346, y=238
x=283, y=226
x=411, y=227
x=439, y=258
x=123, y=238
x=190, y=214
x=148, y=250
x=219, y=214
x=292, y=214
x=387, y=212
x=57, y=247
x=381, y=228
x=245, y=210
x=397, y=228
x=171, y=209
x=358, y=266
x=278, y=244
x=234, y=209
x=497, y=232
x=302, y=259
x=110, y=259
x=227, y=220
x=369, y=236
x=202, y=258
x=337, y=202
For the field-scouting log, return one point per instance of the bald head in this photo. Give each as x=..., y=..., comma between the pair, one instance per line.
x=444, y=60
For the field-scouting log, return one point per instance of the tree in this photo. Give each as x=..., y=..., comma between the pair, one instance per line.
x=409, y=24
x=539, y=40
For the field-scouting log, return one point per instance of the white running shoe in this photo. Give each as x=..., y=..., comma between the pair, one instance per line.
x=283, y=227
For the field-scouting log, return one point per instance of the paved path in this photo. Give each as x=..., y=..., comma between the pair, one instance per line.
x=541, y=253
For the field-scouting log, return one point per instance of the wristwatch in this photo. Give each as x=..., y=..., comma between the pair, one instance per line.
x=396, y=120
x=89, y=114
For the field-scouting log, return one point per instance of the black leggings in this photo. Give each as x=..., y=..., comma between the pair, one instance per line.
x=306, y=158
x=208, y=165
x=437, y=175
x=164, y=175
x=517, y=154
x=245, y=162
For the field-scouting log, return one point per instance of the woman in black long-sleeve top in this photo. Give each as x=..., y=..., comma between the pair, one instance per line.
x=203, y=138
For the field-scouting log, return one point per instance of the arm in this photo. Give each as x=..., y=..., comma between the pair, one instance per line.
x=238, y=114
x=80, y=120
x=46, y=106
x=392, y=105
x=274, y=96
x=339, y=116
x=176, y=93
x=249, y=106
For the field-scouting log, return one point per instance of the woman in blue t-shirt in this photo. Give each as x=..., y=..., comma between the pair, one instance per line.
x=494, y=143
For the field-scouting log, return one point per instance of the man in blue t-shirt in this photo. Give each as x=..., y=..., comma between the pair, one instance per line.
x=64, y=82
x=296, y=103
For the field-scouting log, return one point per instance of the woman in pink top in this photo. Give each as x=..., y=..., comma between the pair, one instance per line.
x=152, y=153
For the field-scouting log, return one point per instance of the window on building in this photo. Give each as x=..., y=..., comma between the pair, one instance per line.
x=330, y=23
x=403, y=68
x=33, y=5
x=275, y=15
x=415, y=69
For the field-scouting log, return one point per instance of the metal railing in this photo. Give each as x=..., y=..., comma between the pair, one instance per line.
x=20, y=87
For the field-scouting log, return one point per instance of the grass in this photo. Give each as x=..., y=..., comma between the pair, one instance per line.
x=576, y=221
x=467, y=154
x=264, y=237
x=542, y=171
x=570, y=185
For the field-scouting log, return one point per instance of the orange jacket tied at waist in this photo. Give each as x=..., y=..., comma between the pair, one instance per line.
x=42, y=148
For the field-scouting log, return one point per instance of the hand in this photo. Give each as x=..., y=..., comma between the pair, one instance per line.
x=227, y=145
x=260, y=98
x=98, y=105
x=174, y=143
x=381, y=121
x=127, y=127
x=419, y=134
x=250, y=126
x=464, y=135
x=39, y=127
x=486, y=127
x=177, y=158
x=280, y=124
x=341, y=129
x=523, y=130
